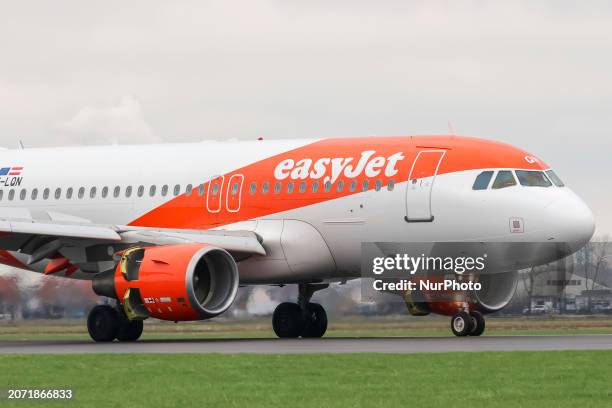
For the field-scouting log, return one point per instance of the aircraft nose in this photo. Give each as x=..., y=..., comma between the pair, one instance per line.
x=571, y=221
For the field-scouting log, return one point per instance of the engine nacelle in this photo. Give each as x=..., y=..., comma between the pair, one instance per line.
x=496, y=292
x=172, y=282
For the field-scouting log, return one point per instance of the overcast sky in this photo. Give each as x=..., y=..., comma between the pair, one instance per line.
x=535, y=74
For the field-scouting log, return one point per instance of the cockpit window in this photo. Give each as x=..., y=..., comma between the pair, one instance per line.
x=532, y=178
x=504, y=179
x=554, y=178
x=482, y=180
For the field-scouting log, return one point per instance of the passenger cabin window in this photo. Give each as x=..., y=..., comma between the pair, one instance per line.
x=391, y=185
x=277, y=187
x=188, y=189
x=378, y=185
x=45, y=194
x=504, y=179
x=92, y=192
x=482, y=180
x=11, y=195
x=215, y=189
x=177, y=189
x=365, y=185
x=201, y=190
x=81, y=192
x=22, y=194
x=104, y=192
x=290, y=187
x=353, y=185
x=234, y=188
x=327, y=186
x=302, y=188
x=265, y=188
x=164, y=190
x=116, y=191
x=531, y=178
x=140, y=191
x=128, y=191
x=1, y=194
x=69, y=193
x=340, y=186
x=34, y=194
x=315, y=186
x=253, y=188
x=58, y=193
x=554, y=178
x=152, y=191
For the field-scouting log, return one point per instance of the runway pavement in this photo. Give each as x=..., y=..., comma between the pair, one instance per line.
x=324, y=345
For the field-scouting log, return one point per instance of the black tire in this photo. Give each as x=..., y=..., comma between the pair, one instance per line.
x=130, y=330
x=316, y=322
x=461, y=324
x=103, y=323
x=287, y=320
x=478, y=321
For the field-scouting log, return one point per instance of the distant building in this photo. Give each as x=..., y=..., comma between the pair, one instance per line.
x=553, y=293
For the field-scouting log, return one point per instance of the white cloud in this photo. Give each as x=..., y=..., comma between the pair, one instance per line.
x=121, y=123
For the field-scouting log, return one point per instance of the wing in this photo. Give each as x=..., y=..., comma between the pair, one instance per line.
x=51, y=242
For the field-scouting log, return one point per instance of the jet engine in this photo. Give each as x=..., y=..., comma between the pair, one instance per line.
x=497, y=290
x=172, y=282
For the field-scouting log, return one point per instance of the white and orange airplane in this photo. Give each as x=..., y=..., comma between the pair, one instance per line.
x=172, y=230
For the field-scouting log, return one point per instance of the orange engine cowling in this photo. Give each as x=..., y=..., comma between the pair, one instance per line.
x=172, y=282
x=496, y=292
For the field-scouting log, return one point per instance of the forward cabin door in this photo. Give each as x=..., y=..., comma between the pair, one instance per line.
x=420, y=183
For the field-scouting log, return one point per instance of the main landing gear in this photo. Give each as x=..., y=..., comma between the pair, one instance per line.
x=301, y=319
x=105, y=323
x=468, y=324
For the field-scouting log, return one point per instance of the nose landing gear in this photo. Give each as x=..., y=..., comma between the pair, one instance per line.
x=301, y=319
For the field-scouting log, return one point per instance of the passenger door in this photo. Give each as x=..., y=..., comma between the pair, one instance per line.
x=420, y=183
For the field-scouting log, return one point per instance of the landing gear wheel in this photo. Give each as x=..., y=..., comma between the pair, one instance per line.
x=130, y=330
x=287, y=320
x=316, y=321
x=478, y=323
x=103, y=323
x=461, y=324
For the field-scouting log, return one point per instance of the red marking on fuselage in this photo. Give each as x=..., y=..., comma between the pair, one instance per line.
x=218, y=206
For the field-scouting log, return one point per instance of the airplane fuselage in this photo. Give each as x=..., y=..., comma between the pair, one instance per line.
x=313, y=202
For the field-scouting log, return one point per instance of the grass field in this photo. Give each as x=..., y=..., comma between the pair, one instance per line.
x=343, y=327
x=526, y=379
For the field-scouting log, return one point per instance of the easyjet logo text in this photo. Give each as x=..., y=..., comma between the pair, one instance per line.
x=329, y=169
